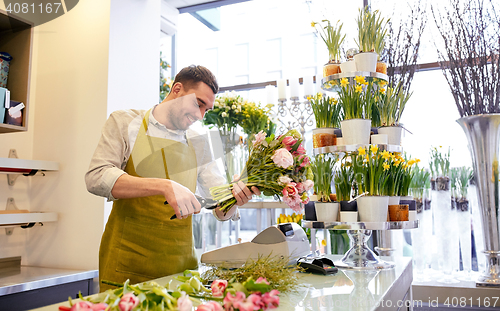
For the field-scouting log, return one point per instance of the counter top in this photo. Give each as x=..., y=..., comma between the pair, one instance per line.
x=29, y=278
x=346, y=290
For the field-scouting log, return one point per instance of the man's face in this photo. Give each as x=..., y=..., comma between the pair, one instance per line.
x=197, y=100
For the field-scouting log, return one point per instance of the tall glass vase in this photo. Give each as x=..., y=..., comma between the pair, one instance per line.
x=419, y=238
x=230, y=139
x=483, y=135
x=445, y=229
x=464, y=223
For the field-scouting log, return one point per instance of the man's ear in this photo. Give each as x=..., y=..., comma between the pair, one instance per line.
x=177, y=87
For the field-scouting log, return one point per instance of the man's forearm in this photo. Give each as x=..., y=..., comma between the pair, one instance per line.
x=127, y=187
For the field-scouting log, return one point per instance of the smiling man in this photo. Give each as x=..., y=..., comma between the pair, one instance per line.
x=145, y=158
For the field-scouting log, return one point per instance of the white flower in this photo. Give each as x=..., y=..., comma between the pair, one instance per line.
x=233, y=107
x=223, y=114
x=284, y=180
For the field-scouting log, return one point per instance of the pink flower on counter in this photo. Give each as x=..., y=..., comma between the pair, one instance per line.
x=252, y=303
x=82, y=306
x=308, y=184
x=259, y=138
x=230, y=300
x=262, y=280
x=184, y=303
x=210, y=306
x=128, y=302
x=282, y=158
x=218, y=287
x=289, y=141
x=271, y=300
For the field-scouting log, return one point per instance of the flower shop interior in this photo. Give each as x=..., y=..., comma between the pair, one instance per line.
x=435, y=63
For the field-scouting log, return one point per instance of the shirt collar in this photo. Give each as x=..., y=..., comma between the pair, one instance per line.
x=155, y=122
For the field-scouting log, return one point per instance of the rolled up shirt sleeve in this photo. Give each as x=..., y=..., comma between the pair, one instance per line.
x=110, y=157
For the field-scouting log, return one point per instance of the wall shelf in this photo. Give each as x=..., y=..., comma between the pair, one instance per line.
x=23, y=219
x=22, y=166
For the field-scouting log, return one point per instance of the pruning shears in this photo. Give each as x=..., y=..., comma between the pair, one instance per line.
x=205, y=203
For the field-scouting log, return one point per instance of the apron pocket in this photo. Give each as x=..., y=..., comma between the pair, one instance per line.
x=155, y=249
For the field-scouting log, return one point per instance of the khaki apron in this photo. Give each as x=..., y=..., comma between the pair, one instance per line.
x=140, y=241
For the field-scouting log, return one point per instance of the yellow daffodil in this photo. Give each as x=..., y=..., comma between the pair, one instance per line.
x=313, y=24
x=411, y=162
x=359, y=88
x=382, y=83
x=320, y=95
x=417, y=160
x=361, y=151
x=373, y=149
x=323, y=242
x=386, y=166
x=382, y=91
x=386, y=155
x=309, y=98
x=344, y=82
x=360, y=79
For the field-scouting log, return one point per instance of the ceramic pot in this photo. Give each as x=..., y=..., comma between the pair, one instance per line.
x=326, y=212
x=331, y=68
x=366, y=61
x=323, y=137
x=348, y=66
x=355, y=131
x=373, y=208
x=393, y=133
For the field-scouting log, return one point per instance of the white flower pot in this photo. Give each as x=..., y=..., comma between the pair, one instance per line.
x=326, y=212
x=379, y=139
x=356, y=131
x=393, y=134
x=394, y=200
x=348, y=66
x=373, y=208
x=366, y=61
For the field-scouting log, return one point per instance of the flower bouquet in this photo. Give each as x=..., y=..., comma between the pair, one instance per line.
x=278, y=167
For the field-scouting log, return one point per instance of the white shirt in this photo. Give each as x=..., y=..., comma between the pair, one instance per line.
x=117, y=141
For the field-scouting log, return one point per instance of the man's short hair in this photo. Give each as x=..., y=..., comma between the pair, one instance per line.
x=191, y=75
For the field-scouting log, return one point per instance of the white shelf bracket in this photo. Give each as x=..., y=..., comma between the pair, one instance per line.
x=11, y=206
x=11, y=178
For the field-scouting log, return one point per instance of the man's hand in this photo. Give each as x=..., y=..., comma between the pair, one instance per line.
x=181, y=199
x=241, y=192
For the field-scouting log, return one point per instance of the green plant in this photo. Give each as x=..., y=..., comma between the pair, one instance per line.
x=439, y=162
x=164, y=80
x=327, y=111
x=332, y=37
x=369, y=171
x=356, y=98
x=420, y=179
x=390, y=104
x=226, y=114
x=255, y=118
x=372, y=29
x=464, y=175
x=343, y=179
x=322, y=167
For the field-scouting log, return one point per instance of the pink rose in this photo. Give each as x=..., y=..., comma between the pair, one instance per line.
x=282, y=158
x=271, y=300
x=259, y=138
x=300, y=187
x=100, y=307
x=231, y=300
x=82, y=306
x=128, y=302
x=184, y=303
x=301, y=150
x=308, y=184
x=218, y=287
x=210, y=306
x=252, y=303
x=289, y=141
x=305, y=161
x=262, y=280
